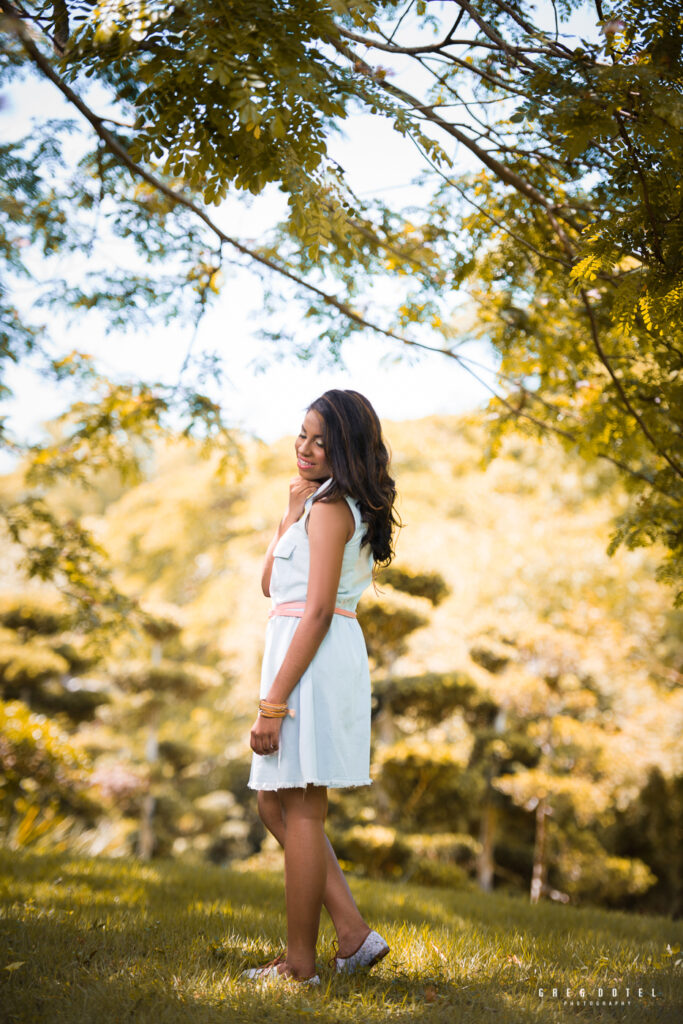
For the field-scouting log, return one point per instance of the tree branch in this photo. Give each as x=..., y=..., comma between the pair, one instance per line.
x=499, y=224
x=505, y=174
x=376, y=44
x=405, y=15
x=115, y=147
x=486, y=76
x=119, y=151
x=412, y=51
x=643, y=183
x=618, y=385
x=545, y=427
x=558, y=48
x=511, y=51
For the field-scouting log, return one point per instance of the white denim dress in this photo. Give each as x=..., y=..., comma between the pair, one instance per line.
x=327, y=743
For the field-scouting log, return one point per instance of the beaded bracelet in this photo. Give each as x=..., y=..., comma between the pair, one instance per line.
x=267, y=709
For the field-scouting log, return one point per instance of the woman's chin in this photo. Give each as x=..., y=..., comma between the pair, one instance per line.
x=312, y=473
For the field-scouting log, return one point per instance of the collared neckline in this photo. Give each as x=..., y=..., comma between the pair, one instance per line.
x=321, y=488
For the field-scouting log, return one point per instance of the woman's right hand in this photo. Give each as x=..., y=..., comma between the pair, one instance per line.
x=264, y=738
x=299, y=490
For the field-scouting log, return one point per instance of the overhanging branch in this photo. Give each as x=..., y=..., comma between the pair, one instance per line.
x=115, y=147
x=620, y=388
x=513, y=52
x=119, y=151
x=505, y=174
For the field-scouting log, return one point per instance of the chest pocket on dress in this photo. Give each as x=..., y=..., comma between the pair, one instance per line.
x=284, y=547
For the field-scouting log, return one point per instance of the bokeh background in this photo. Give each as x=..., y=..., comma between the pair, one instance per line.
x=527, y=710
x=483, y=238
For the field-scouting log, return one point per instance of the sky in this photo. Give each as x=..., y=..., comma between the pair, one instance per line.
x=269, y=405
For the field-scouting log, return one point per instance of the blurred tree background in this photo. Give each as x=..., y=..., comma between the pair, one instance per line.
x=526, y=650
x=527, y=687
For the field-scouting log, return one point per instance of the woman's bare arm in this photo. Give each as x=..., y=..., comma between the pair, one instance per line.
x=328, y=532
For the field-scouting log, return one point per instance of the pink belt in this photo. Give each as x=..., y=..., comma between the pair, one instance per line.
x=296, y=608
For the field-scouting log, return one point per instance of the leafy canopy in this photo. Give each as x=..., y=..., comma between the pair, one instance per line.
x=552, y=208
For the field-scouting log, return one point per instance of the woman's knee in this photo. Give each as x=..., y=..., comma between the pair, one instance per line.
x=269, y=809
x=310, y=802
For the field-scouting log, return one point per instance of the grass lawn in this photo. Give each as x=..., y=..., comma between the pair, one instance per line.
x=105, y=941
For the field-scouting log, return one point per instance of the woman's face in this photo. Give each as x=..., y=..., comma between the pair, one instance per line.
x=310, y=452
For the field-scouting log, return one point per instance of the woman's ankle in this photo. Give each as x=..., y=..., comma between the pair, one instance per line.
x=350, y=942
x=298, y=969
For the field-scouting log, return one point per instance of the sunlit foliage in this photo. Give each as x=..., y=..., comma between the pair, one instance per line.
x=551, y=213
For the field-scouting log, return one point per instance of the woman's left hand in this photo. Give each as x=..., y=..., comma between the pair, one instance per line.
x=265, y=735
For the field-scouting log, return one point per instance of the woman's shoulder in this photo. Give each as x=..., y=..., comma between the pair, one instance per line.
x=335, y=512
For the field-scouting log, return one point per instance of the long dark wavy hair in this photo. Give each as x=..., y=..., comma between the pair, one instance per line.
x=355, y=449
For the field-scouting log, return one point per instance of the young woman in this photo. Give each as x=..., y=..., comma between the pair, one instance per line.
x=313, y=727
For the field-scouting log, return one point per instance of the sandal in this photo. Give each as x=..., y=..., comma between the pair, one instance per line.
x=372, y=949
x=269, y=973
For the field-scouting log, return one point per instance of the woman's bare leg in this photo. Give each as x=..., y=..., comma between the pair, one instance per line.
x=305, y=873
x=349, y=924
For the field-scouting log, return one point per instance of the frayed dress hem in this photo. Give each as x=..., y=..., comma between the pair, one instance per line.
x=335, y=784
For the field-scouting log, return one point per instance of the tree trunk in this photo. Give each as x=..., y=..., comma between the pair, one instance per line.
x=146, y=838
x=487, y=834
x=538, y=874
x=385, y=728
x=146, y=835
